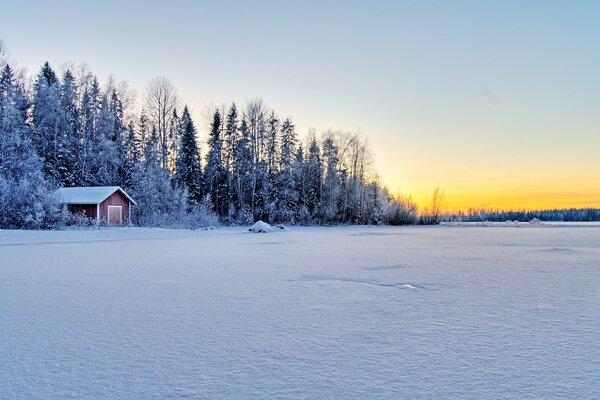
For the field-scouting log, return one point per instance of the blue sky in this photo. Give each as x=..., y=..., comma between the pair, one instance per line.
x=497, y=102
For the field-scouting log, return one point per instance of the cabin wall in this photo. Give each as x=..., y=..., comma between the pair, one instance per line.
x=89, y=210
x=115, y=199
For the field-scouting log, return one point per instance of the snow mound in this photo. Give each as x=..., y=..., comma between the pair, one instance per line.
x=261, y=227
x=281, y=227
x=535, y=221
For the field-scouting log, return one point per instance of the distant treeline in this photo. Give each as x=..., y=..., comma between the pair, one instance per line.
x=565, y=215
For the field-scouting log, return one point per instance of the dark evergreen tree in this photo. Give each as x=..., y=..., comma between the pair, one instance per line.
x=272, y=143
x=288, y=195
x=214, y=172
x=300, y=177
x=314, y=178
x=230, y=140
x=189, y=173
x=331, y=188
x=241, y=171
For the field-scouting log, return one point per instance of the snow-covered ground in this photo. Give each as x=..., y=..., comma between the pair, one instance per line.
x=315, y=313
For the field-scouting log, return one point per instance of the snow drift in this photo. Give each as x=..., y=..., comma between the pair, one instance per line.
x=261, y=227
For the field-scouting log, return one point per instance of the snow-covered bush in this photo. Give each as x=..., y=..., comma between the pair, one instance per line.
x=401, y=211
x=27, y=204
x=161, y=204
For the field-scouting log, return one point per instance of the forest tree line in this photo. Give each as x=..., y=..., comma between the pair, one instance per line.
x=65, y=130
x=555, y=215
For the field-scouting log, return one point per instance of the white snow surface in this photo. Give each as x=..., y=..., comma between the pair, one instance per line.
x=317, y=313
x=261, y=227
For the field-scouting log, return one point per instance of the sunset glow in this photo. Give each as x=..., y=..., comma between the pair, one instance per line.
x=496, y=103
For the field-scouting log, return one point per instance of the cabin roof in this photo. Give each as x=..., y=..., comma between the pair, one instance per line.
x=89, y=195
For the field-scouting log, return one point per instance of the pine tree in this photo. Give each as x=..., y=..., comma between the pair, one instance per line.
x=314, y=176
x=214, y=172
x=143, y=136
x=90, y=110
x=189, y=173
x=272, y=142
x=332, y=185
x=49, y=128
x=242, y=179
x=288, y=195
x=229, y=153
x=71, y=126
x=132, y=156
x=107, y=162
x=300, y=177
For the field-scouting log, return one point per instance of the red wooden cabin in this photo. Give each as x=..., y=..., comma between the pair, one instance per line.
x=98, y=203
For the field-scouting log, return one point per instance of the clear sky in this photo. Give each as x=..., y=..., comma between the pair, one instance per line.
x=496, y=102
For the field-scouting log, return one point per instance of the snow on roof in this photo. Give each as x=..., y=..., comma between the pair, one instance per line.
x=88, y=195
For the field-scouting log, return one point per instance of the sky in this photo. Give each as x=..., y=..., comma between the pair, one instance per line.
x=496, y=102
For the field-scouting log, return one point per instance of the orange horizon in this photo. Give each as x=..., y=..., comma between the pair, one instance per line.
x=548, y=195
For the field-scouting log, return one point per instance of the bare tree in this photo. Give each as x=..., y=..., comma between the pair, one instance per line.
x=434, y=214
x=3, y=54
x=161, y=100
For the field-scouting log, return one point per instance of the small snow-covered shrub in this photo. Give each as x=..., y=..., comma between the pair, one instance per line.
x=201, y=216
x=72, y=220
x=401, y=211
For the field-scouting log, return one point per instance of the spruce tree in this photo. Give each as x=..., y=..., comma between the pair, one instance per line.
x=288, y=195
x=189, y=173
x=49, y=137
x=70, y=124
x=332, y=185
x=214, y=172
x=242, y=169
x=229, y=153
x=314, y=176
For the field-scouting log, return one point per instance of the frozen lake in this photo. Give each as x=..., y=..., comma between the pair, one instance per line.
x=315, y=313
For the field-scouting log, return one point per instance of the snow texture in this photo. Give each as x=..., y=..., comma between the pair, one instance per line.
x=87, y=195
x=318, y=313
x=261, y=227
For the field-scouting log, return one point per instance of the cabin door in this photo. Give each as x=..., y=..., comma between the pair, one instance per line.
x=115, y=215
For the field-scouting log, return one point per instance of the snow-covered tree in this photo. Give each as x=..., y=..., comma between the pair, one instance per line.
x=189, y=173
x=161, y=100
x=70, y=125
x=332, y=185
x=288, y=194
x=314, y=176
x=25, y=198
x=214, y=172
x=243, y=180
x=49, y=126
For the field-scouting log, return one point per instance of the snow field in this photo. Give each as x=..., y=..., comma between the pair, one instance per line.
x=313, y=313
